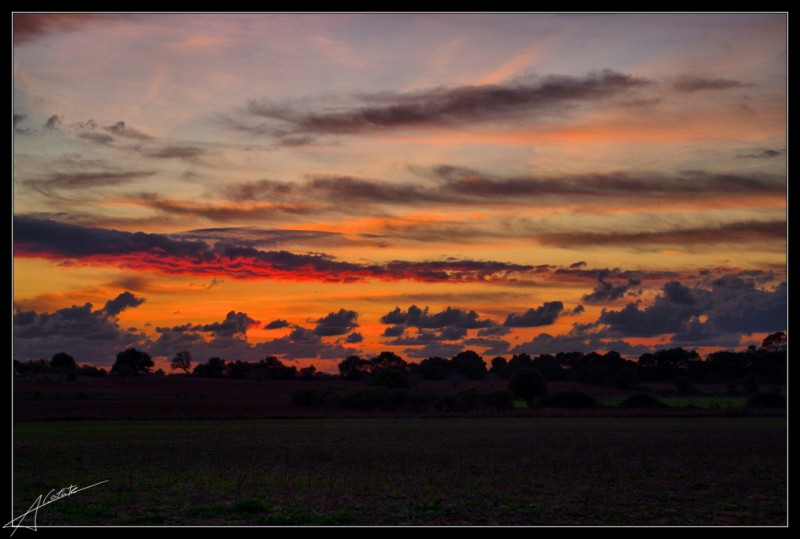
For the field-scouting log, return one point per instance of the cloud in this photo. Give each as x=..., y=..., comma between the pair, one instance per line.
x=451, y=185
x=540, y=316
x=734, y=233
x=121, y=129
x=277, y=324
x=126, y=300
x=731, y=305
x=97, y=138
x=304, y=343
x=447, y=106
x=51, y=183
x=186, y=153
x=761, y=153
x=354, y=338
x=29, y=26
x=394, y=331
x=92, y=336
x=235, y=323
x=606, y=291
x=423, y=319
x=54, y=122
x=691, y=84
x=434, y=349
x=336, y=323
x=544, y=343
x=171, y=254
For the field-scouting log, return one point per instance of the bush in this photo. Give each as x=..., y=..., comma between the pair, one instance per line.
x=392, y=378
x=528, y=384
x=573, y=399
x=766, y=400
x=642, y=401
x=385, y=399
x=500, y=400
x=314, y=397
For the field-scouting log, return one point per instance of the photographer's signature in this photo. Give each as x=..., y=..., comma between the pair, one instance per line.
x=41, y=501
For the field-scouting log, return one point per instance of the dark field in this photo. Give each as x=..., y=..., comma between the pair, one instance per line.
x=411, y=471
x=177, y=397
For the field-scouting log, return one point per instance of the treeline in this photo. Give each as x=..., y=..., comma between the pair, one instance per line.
x=765, y=364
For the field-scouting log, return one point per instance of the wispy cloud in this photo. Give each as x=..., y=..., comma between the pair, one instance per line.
x=441, y=106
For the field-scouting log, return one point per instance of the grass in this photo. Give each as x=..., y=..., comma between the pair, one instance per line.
x=512, y=471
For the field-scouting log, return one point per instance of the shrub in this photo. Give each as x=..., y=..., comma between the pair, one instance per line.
x=392, y=378
x=766, y=400
x=317, y=397
x=528, y=384
x=642, y=401
x=500, y=400
x=573, y=399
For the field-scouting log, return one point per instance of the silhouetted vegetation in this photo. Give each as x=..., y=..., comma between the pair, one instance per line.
x=528, y=384
x=573, y=399
x=132, y=362
x=766, y=400
x=182, y=361
x=642, y=401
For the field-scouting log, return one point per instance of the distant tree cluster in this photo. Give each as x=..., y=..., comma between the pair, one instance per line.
x=765, y=365
x=61, y=363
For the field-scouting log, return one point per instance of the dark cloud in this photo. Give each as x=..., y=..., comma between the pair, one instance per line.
x=735, y=233
x=492, y=347
x=690, y=84
x=434, y=349
x=97, y=138
x=577, y=310
x=256, y=190
x=354, y=338
x=91, y=336
x=540, y=316
x=545, y=343
x=54, y=122
x=126, y=300
x=19, y=118
x=277, y=324
x=708, y=314
x=394, y=331
x=451, y=185
x=336, y=323
x=423, y=319
x=663, y=316
x=605, y=291
x=762, y=153
x=29, y=26
x=738, y=306
x=450, y=106
x=577, y=265
x=187, y=153
x=121, y=129
x=259, y=237
x=234, y=324
x=64, y=181
x=304, y=343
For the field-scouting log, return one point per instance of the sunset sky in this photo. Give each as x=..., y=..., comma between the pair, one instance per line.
x=312, y=186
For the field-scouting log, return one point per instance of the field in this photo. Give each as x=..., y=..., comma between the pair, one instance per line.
x=177, y=397
x=407, y=471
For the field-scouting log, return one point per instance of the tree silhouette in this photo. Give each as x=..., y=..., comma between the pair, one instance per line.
x=63, y=362
x=354, y=368
x=388, y=360
x=528, y=384
x=470, y=364
x=132, y=362
x=183, y=361
x=774, y=342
